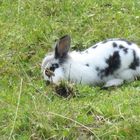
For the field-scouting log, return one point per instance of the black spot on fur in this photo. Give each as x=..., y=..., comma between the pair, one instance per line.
x=114, y=44
x=128, y=42
x=135, y=62
x=54, y=66
x=125, y=50
x=121, y=46
x=94, y=46
x=87, y=65
x=113, y=64
x=97, y=68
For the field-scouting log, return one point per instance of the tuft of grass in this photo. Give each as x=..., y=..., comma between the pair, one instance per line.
x=28, y=108
x=65, y=89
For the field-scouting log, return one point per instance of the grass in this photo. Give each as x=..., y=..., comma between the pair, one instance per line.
x=31, y=110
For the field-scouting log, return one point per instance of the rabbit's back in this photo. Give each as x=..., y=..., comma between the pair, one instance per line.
x=113, y=57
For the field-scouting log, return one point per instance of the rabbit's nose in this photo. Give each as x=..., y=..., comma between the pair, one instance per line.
x=49, y=73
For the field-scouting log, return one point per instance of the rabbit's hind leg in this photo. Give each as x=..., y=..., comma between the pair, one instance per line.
x=113, y=83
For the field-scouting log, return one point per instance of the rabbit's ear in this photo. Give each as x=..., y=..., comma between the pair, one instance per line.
x=62, y=47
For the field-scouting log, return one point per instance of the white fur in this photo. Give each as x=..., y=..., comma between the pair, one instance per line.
x=74, y=69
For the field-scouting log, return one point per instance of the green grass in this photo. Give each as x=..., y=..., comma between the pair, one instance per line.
x=31, y=110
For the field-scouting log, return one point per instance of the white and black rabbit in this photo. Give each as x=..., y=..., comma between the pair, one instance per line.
x=110, y=62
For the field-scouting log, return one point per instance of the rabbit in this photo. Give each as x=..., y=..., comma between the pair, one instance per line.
x=108, y=63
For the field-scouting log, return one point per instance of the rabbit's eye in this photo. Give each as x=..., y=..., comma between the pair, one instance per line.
x=54, y=66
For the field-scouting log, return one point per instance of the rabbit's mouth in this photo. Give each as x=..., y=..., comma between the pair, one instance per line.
x=49, y=73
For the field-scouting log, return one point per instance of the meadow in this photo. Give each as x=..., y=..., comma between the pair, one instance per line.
x=30, y=110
